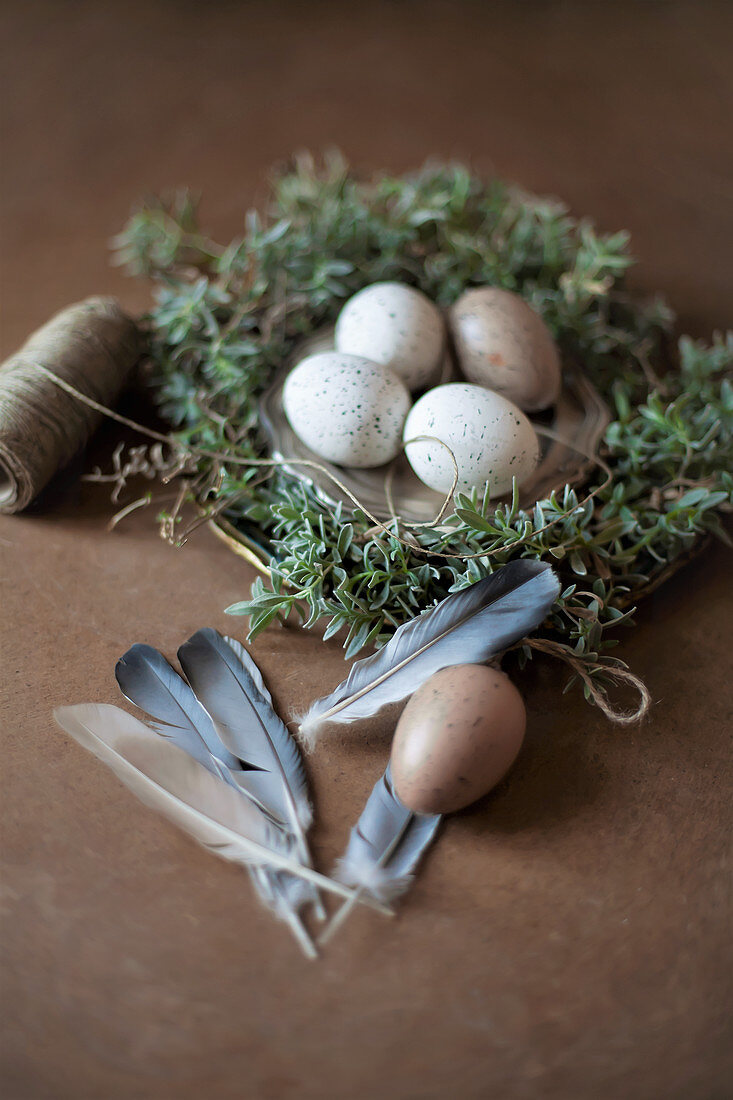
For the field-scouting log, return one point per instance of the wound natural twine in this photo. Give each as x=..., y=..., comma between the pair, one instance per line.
x=93, y=346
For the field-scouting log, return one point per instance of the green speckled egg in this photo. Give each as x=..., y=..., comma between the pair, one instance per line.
x=457, y=737
x=347, y=409
x=491, y=439
x=397, y=326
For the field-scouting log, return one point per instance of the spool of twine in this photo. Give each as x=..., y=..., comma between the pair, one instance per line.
x=91, y=345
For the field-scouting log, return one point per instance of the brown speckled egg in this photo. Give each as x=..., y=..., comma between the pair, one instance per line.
x=457, y=737
x=503, y=344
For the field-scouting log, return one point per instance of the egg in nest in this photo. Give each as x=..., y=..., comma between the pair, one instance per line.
x=346, y=409
x=490, y=438
x=397, y=326
x=503, y=344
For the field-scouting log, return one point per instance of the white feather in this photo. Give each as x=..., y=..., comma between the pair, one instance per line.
x=168, y=780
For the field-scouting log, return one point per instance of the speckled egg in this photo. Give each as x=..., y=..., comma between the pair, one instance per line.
x=456, y=739
x=492, y=440
x=397, y=326
x=346, y=409
x=503, y=344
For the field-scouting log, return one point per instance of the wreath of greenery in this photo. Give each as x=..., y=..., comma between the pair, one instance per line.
x=225, y=318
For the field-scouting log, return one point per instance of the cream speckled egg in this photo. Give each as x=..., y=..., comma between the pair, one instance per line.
x=492, y=440
x=395, y=325
x=503, y=344
x=347, y=409
x=456, y=739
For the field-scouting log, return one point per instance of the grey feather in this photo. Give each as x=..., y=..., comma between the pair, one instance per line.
x=229, y=685
x=385, y=844
x=148, y=681
x=468, y=627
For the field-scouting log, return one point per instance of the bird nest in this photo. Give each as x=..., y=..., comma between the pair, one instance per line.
x=634, y=480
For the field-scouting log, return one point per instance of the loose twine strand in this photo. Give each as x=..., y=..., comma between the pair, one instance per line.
x=555, y=649
x=600, y=698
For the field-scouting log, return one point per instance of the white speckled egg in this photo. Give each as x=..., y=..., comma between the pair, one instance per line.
x=397, y=326
x=491, y=438
x=503, y=344
x=347, y=409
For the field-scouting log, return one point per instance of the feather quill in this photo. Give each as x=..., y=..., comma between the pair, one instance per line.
x=170, y=781
x=468, y=627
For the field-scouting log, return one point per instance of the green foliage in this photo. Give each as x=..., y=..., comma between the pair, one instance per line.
x=225, y=318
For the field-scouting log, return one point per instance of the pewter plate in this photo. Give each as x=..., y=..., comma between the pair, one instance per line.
x=579, y=418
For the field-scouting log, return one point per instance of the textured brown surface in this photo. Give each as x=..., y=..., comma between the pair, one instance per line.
x=567, y=938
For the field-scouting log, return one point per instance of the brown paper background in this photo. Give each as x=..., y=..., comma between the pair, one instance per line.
x=568, y=937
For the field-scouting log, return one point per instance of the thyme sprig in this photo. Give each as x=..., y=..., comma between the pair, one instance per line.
x=226, y=317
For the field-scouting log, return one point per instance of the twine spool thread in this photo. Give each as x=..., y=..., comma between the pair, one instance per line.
x=93, y=345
